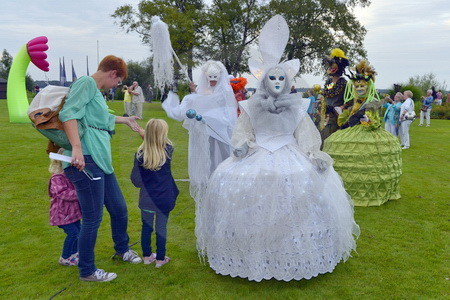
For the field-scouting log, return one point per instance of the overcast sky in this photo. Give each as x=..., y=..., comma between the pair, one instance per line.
x=405, y=37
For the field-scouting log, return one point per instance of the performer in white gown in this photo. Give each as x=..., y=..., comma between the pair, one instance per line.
x=214, y=101
x=276, y=208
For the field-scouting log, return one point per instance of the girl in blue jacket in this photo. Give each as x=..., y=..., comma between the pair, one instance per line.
x=151, y=173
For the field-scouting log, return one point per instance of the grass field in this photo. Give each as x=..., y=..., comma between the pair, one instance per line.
x=402, y=253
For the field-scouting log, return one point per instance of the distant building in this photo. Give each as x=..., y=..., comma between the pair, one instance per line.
x=3, y=88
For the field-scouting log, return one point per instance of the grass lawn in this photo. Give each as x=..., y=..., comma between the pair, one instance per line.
x=403, y=250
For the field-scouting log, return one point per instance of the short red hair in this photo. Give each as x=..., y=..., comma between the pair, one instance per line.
x=114, y=63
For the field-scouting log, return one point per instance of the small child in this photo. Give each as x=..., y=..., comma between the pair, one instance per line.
x=65, y=211
x=151, y=173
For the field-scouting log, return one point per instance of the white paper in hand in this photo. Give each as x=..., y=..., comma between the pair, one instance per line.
x=60, y=157
x=68, y=159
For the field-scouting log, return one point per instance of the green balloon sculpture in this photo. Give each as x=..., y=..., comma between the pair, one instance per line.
x=17, y=100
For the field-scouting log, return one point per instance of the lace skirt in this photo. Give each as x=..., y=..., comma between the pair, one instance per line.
x=273, y=215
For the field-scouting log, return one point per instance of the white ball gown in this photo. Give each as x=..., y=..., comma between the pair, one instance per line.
x=272, y=213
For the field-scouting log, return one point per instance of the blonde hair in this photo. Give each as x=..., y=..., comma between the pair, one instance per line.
x=152, y=149
x=56, y=165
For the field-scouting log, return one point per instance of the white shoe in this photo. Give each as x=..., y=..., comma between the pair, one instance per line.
x=404, y=147
x=131, y=256
x=100, y=276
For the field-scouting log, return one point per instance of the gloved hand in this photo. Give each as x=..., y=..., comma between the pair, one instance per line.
x=321, y=160
x=241, y=151
x=364, y=119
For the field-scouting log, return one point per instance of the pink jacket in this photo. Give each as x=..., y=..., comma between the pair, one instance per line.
x=64, y=206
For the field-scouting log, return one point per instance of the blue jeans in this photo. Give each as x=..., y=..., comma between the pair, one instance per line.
x=71, y=242
x=148, y=219
x=92, y=195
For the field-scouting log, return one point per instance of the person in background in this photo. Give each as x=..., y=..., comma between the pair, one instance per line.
x=405, y=122
x=426, y=108
x=149, y=94
x=293, y=90
x=126, y=100
x=36, y=89
x=97, y=186
x=238, y=86
x=433, y=92
x=112, y=94
x=312, y=105
x=65, y=211
x=158, y=191
x=438, y=100
x=392, y=114
x=137, y=98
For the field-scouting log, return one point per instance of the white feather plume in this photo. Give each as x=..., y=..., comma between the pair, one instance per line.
x=162, y=53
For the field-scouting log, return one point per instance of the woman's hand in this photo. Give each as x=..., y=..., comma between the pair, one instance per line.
x=131, y=122
x=77, y=158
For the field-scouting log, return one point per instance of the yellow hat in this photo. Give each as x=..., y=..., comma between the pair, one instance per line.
x=336, y=52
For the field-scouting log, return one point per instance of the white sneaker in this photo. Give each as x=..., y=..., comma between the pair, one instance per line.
x=160, y=263
x=404, y=147
x=100, y=276
x=149, y=259
x=132, y=257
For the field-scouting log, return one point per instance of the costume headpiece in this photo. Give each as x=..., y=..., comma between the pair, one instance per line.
x=272, y=42
x=238, y=83
x=364, y=72
x=338, y=57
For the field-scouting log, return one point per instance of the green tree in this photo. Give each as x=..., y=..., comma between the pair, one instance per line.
x=5, y=64
x=227, y=28
x=426, y=81
x=183, y=17
x=140, y=72
x=232, y=26
x=317, y=26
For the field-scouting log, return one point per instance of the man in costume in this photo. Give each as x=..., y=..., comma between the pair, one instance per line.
x=333, y=92
x=276, y=208
x=209, y=138
x=367, y=157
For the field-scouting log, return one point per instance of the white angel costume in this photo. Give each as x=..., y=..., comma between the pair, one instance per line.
x=276, y=209
x=208, y=143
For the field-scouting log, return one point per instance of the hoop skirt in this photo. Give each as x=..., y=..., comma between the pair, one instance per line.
x=272, y=213
x=369, y=162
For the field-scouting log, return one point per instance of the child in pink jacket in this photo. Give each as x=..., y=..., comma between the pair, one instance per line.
x=65, y=212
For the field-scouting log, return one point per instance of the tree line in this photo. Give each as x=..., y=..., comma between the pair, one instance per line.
x=225, y=30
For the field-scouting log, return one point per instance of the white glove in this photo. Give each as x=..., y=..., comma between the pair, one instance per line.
x=364, y=119
x=241, y=151
x=321, y=160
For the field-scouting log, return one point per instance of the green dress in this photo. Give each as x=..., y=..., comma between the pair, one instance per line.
x=368, y=158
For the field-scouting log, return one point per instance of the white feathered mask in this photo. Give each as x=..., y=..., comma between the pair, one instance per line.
x=272, y=42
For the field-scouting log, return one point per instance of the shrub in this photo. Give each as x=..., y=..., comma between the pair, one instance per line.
x=441, y=112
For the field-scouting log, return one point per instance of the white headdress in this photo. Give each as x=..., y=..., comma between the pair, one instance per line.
x=223, y=82
x=272, y=42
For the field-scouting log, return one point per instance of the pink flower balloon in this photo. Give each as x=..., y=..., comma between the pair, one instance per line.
x=36, y=48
